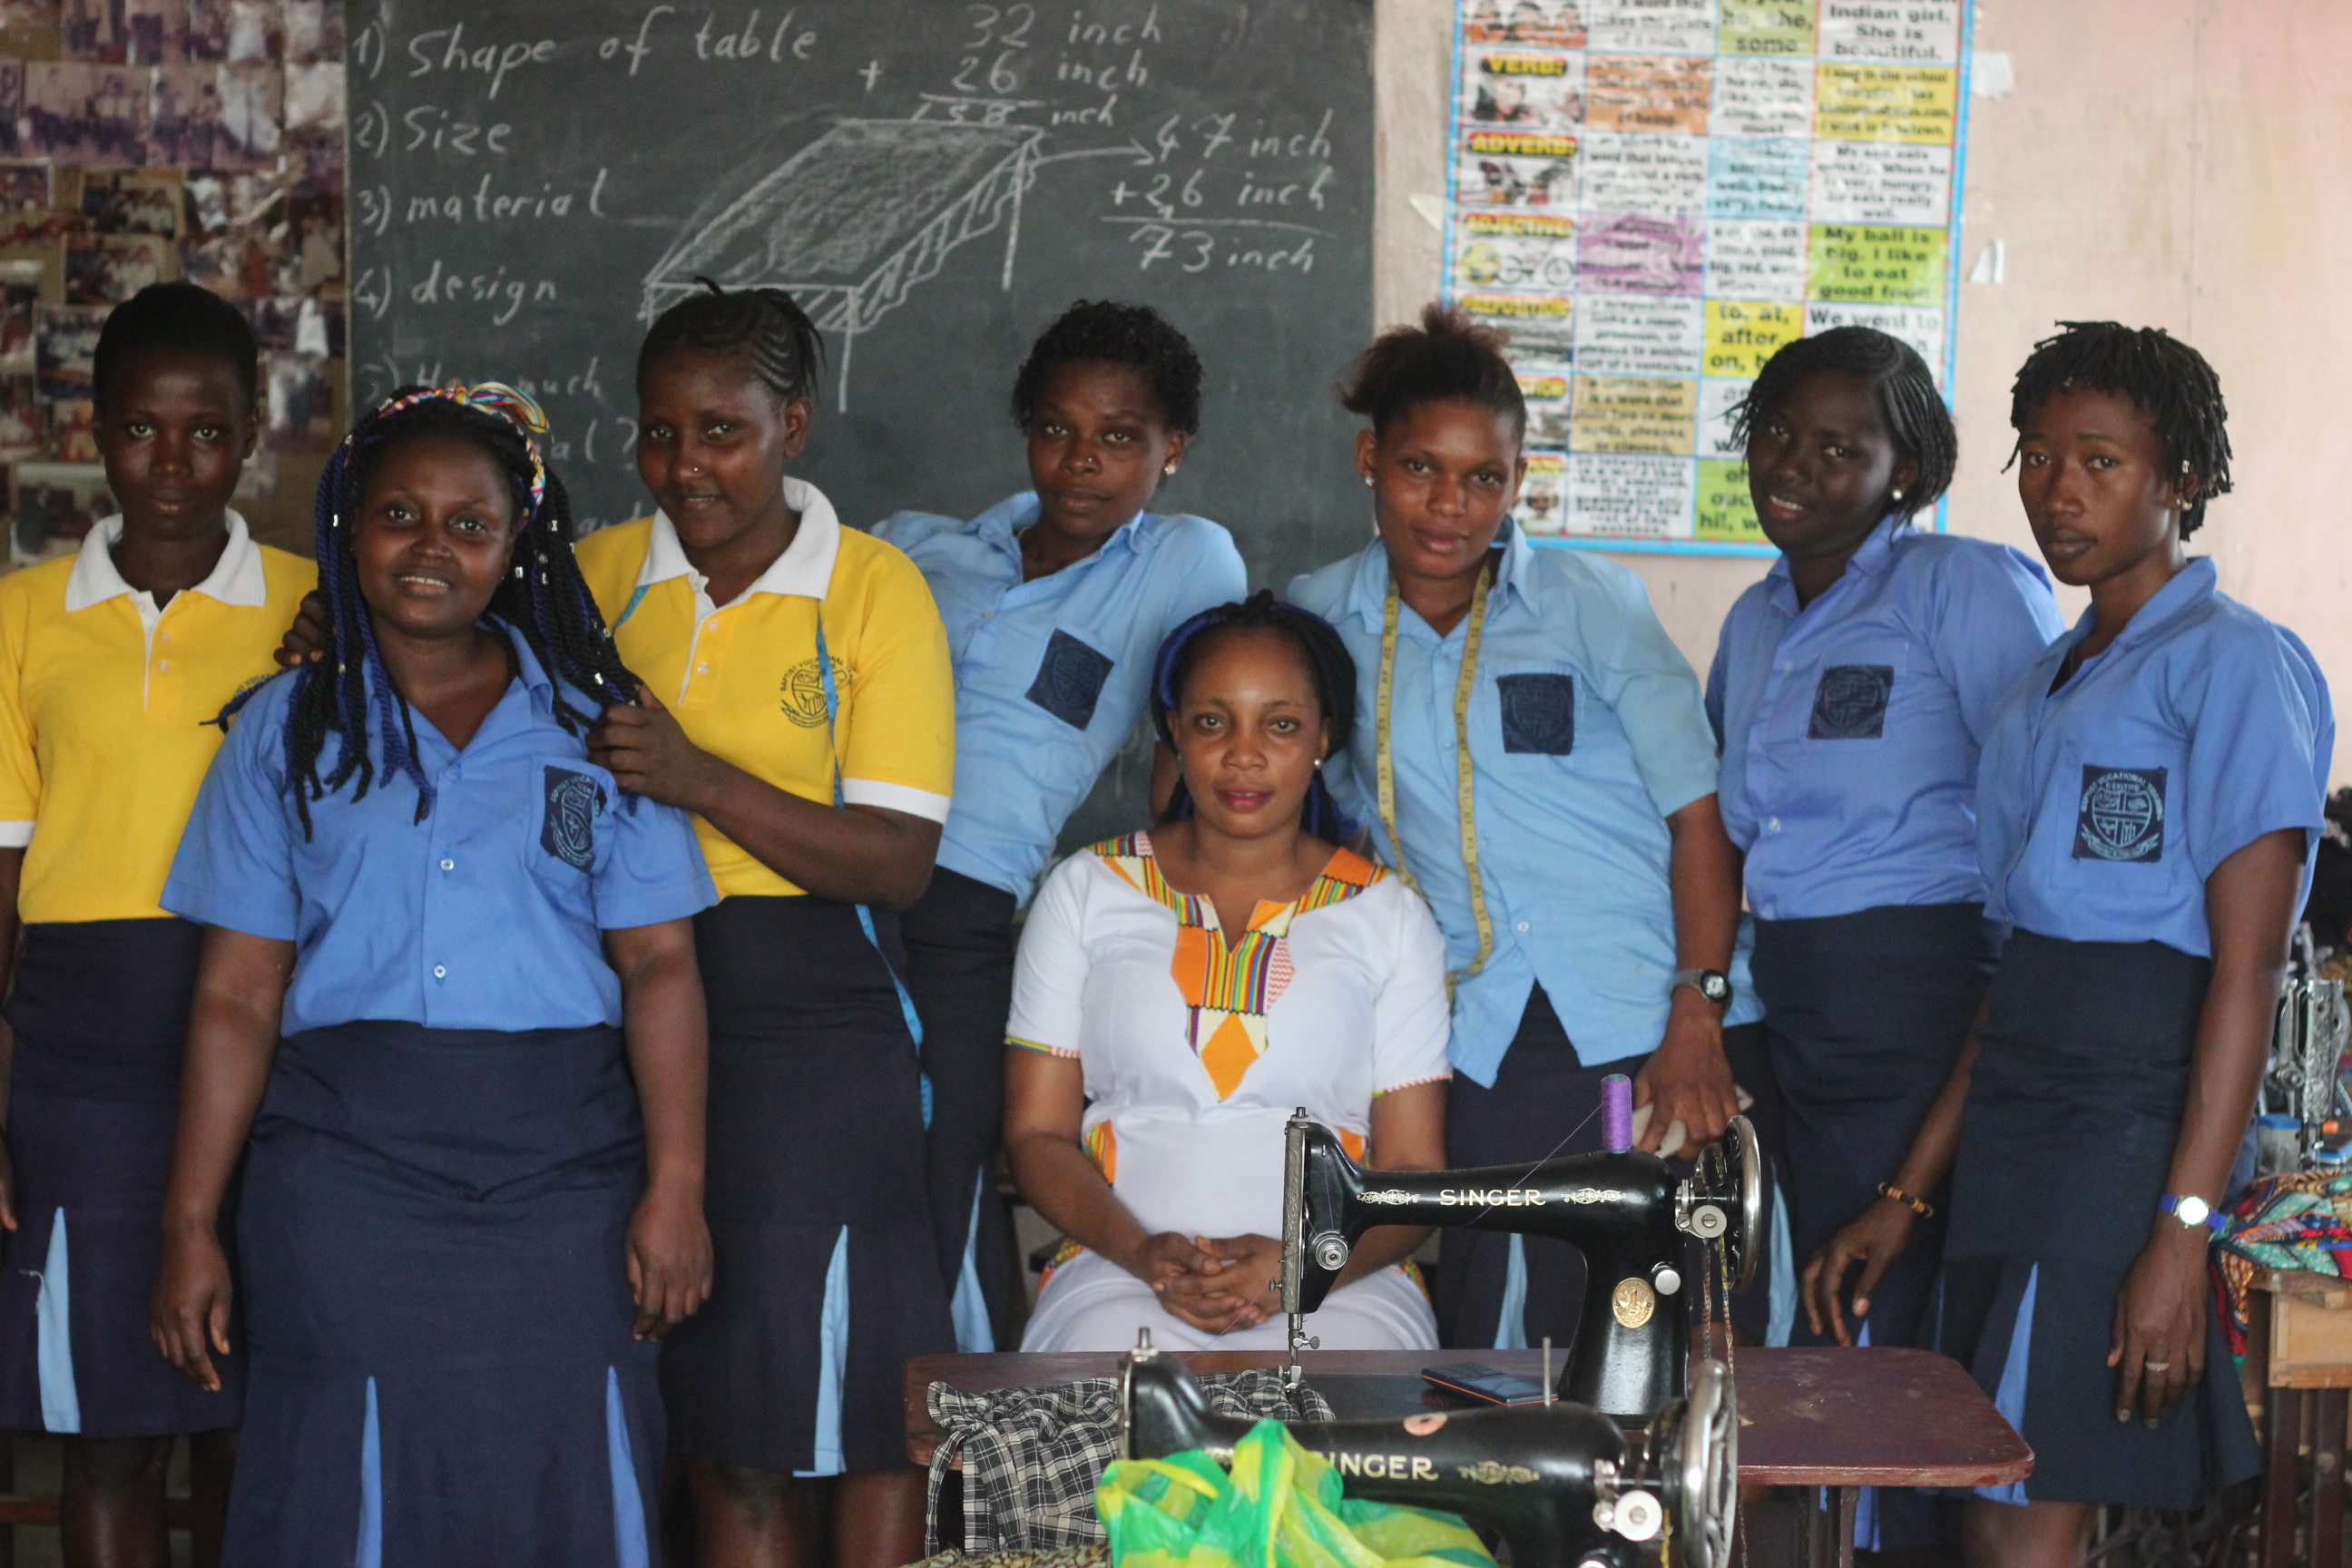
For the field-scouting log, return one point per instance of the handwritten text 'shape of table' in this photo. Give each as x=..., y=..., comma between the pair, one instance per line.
x=1652, y=195
x=934, y=181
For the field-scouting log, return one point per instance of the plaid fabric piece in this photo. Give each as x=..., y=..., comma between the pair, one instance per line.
x=1094, y=1556
x=1032, y=1456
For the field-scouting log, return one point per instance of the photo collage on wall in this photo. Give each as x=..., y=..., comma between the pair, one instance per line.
x=143, y=141
x=1652, y=197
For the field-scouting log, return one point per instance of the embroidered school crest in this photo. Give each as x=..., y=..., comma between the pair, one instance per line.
x=1069, y=679
x=2121, y=815
x=1849, y=704
x=803, y=691
x=1538, y=713
x=567, y=823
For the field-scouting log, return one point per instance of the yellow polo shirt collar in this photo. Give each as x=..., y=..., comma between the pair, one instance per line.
x=237, y=578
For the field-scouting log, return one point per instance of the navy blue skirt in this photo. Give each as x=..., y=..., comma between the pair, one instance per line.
x=826, y=1273
x=100, y=1012
x=437, y=1306
x=2081, y=1080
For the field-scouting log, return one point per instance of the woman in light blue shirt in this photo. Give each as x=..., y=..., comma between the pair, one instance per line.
x=1542, y=769
x=1851, y=689
x=449, y=989
x=1055, y=602
x=2147, y=802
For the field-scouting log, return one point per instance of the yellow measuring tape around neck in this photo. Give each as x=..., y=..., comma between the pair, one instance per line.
x=1385, y=764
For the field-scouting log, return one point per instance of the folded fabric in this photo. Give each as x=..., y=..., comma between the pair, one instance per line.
x=2302, y=1221
x=1031, y=1457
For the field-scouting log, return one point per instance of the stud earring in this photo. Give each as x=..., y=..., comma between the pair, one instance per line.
x=1368, y=478
x=1896, y=495
x=1318, y=765
x=1167, y=470
x=518, y=572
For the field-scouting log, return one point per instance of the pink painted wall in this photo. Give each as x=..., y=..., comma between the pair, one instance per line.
x=2181, y=164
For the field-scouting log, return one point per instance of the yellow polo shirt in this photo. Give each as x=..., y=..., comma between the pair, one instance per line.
x=742, y=677
x=103, y=703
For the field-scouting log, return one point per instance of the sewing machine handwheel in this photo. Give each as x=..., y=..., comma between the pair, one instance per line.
x=1749, y=1195
x=1701, y=1466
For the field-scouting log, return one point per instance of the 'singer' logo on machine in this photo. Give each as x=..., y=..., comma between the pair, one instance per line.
x=567, y=829
x=2122, y=815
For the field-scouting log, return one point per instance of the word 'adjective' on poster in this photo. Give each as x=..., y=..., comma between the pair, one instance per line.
x=1515, y=250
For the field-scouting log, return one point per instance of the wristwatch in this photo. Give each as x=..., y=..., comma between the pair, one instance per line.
x=1711, y=983
x=2191, y=1212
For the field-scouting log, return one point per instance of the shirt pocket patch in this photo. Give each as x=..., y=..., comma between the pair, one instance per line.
x=2120, y=817
x=1849, y=703
x=1538, y=713
x=1069, y=679
x=568, y=813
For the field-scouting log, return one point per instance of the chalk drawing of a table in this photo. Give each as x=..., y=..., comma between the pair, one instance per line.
x=851, y=223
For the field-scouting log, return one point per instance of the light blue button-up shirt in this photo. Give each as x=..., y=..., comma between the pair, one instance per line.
x=2101, y=808
x=483, y=916
x=1050, y=675
x=1850, y=728
x=1587, y=731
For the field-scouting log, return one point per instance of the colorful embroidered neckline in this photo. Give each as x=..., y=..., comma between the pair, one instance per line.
x=1229, y=986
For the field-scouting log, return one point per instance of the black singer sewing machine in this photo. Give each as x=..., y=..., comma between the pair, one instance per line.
x=1626, y=1210
x=1563, y=1485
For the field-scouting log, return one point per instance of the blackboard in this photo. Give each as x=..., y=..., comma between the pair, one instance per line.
x=532, y=180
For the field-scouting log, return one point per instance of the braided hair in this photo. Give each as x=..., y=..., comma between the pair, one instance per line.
x=1447, y=358
x=350, y=692
x=1137, y=337
x=1907, y=400
x=762, y=330
x=2170, y=383
x=1329, y=664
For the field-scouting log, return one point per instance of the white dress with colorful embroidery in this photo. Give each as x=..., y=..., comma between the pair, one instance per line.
x=1197, y=1051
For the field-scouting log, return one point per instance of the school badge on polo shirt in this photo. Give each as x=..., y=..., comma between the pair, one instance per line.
x=1538, y=713
x=803, y=691
x=1069, y=679
x=2121, y=815
x=567, y=824
x=1849, y=704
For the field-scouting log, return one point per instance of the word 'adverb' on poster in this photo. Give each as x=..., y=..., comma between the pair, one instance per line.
x=1652, y=195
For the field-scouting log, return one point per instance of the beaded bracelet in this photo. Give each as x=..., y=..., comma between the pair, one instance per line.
x=1924, y=1210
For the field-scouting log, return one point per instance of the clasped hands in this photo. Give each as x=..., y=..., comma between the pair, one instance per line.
x=1216, y=1284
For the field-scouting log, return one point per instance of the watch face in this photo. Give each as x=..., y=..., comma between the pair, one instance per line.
x=1714, y=987
x=2192, y=1211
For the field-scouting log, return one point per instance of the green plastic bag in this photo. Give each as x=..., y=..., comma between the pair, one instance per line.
x=1280, y=1507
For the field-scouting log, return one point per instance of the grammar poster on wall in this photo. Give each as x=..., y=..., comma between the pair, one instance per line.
x=1652, y=195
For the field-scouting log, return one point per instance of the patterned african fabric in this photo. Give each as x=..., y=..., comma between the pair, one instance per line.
x=2302, y=1222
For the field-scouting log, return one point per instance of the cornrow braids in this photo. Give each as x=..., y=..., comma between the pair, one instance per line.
x=1100, y=332
x=1446, y=359
x=764, y=331
x=1329, y=664
x=1907, y=400
x=2167, y=380
x=543, y=597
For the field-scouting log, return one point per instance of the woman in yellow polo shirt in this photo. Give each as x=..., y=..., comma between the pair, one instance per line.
x=113, y=663
x=800, y=704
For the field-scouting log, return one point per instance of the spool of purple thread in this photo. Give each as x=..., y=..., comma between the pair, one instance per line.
x=1617, y=1112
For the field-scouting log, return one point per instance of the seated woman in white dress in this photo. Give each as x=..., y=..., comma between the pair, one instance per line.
x=1179, y=994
